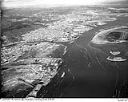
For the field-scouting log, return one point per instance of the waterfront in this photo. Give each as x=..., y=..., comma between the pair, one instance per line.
x=89, y=73
x=60, y=60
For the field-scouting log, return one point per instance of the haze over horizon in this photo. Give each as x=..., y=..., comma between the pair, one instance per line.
x=54, y=3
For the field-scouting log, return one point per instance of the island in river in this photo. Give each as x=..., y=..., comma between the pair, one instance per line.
x=113, y=37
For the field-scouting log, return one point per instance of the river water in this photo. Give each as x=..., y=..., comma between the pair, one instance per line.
x=87, y=73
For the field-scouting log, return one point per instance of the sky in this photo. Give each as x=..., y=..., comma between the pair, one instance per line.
x=52, y=3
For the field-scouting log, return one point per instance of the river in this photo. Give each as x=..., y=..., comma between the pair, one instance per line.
x=86, y=72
